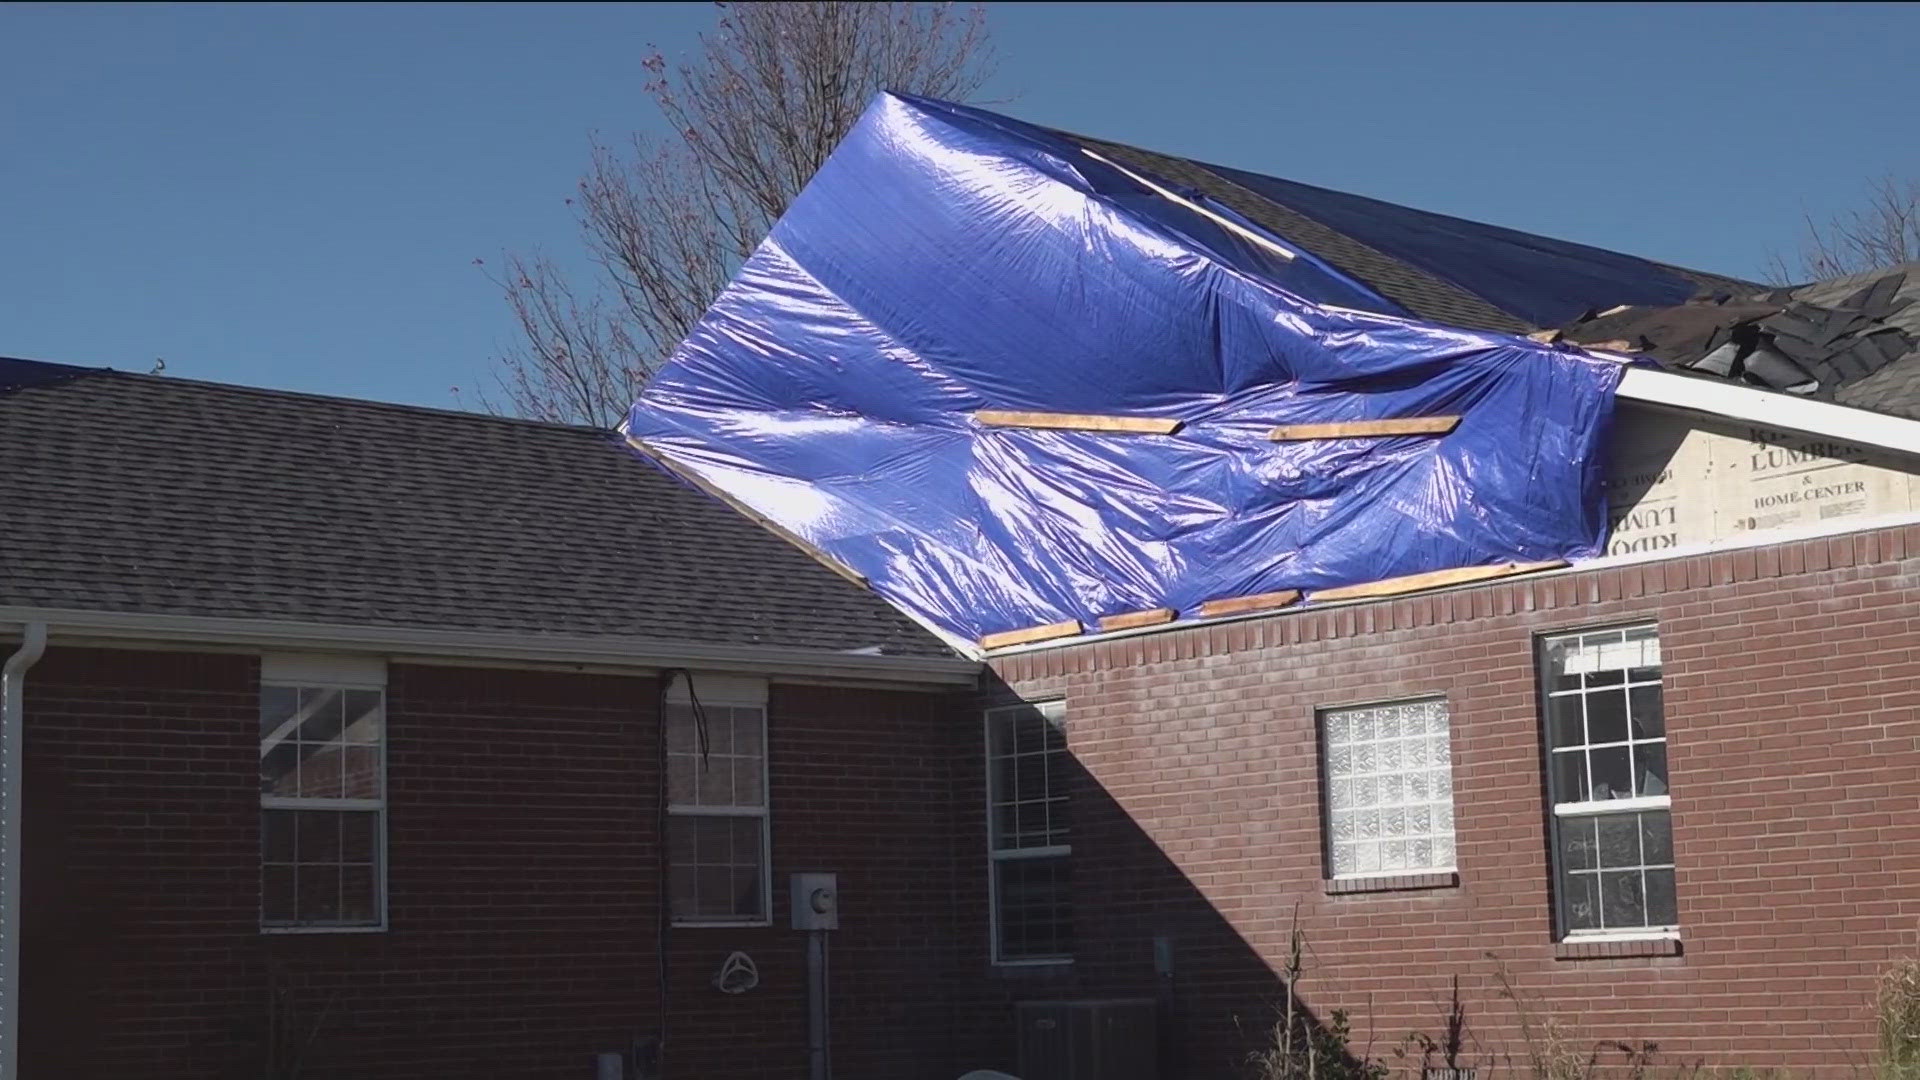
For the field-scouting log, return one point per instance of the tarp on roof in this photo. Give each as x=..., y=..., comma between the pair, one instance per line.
x=1542, y=280
x=947, y=260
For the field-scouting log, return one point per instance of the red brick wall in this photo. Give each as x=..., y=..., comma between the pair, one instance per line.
x=1795, y=763
x=522, y=884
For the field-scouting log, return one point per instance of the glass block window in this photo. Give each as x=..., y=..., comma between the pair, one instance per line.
x=322, y=806
x=1389, y=789
x=717, y=843
x=1028, y=845
x=1607, y=776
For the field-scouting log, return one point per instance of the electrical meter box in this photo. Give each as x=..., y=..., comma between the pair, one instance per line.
x=816, y=902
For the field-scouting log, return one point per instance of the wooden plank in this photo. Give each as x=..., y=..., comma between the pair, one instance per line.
x=1031, y=634
x=747, y=512
x=1435, y=579
x=1132, y=619
x=1239, y=605
x=1365, y=429
x=1132, y=425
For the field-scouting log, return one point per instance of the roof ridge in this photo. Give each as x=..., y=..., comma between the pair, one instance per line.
x=308, y=395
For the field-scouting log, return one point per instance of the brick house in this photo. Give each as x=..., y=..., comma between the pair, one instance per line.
x=1660, y=798
x=345, y=746
x=368, y=732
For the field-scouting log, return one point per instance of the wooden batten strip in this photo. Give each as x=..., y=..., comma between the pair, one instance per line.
x=1133, y=619
x=1133, y=425
x=1240, y=605
x=1433, y=580
x=746, y=511
x=1361, y=429
x=1031, y=634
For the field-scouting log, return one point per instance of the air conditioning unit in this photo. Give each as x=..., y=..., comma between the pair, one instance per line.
x=1088, y=1040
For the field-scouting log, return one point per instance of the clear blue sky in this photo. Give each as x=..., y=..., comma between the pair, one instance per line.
x=293, y=196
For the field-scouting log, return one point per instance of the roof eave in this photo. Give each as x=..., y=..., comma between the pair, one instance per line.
x=1770, y=409
x=83, y=627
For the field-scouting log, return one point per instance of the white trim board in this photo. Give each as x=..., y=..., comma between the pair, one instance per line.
x=1768, y=408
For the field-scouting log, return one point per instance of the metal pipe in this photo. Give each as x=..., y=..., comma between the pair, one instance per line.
x=13, y=679
x=819, y=1065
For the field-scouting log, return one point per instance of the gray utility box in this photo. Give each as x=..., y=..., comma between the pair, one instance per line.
x=1088, y=1040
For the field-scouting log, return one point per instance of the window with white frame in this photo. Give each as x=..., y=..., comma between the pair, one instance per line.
x=717, y=840
x=1027, y=800
x=1607, y=777
x=1389, y=783
x=322, y=793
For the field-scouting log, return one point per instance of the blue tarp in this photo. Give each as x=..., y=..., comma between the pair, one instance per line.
x=947, y=260
x=1544, y=281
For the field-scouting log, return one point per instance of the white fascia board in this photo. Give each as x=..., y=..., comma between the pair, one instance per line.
x=1770, y=409
x=638, y=654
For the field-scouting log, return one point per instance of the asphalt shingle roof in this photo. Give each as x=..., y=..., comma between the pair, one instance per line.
x=139, y=493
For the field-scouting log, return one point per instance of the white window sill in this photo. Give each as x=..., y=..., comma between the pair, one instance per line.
x=323, y=929
x=1061, y=961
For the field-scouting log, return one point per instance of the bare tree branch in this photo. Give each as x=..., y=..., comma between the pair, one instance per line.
x=1884, y=232
x=668, y=220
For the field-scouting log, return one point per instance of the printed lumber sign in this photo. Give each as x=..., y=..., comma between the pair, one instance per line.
x=1676, y=480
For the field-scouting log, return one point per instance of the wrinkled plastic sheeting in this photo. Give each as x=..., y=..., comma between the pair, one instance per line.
x=947, y=260
x=1543, y=281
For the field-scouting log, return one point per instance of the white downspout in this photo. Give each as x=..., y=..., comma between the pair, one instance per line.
x=13, y=680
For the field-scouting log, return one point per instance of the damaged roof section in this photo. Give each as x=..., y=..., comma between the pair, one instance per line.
x=1816, y=340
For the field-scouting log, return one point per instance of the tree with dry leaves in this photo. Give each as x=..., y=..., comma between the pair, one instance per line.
x=669, y=218
x=1883, y=232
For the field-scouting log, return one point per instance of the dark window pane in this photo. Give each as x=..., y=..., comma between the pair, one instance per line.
x=1578, y=848
x=1030, y=777
x=359, y=902
x=1570, y=776
x=363, y=716
x=317, y=833
x=720, y=725
x=1559, y=652
x=682, y=731
x=319, y=893
x=1619, y=840
x=276, y=836
x=360, y=772
x=1565, y=727
x=746, y=894
x=1622, y=903
x=1034, y=913
x=1582, y=897
x=715, y=887
x=746, y=841
x=713, y=840
x=1650, y=768
x=277, y=895
x=277, y=706
x=1056, y=821
x=1662, y=908
x=1606, y=717
x=1606, y=677
x=1646, y=705
x=1612, y=773
x=359, y=837
x=320, y=769
x=1004, y=787
x=280, y=770
x=682, y=847
x=683, y=892
x=324, y=715
x=1656, y=837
